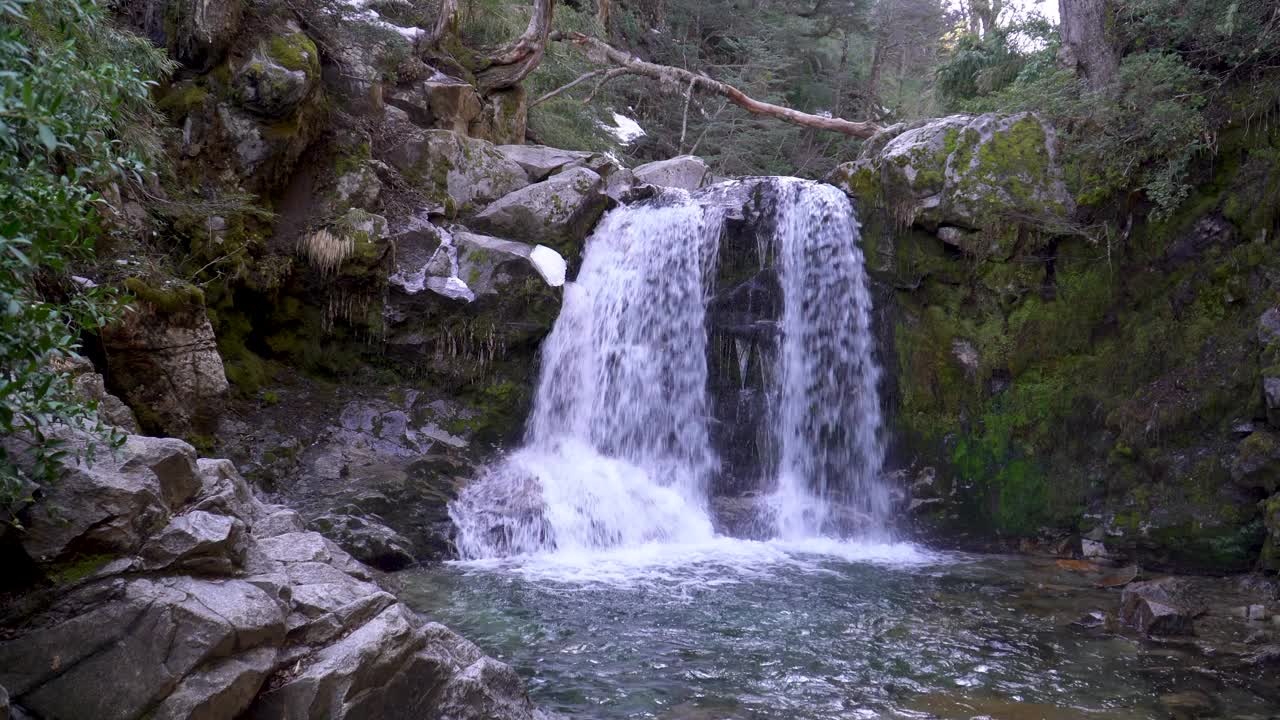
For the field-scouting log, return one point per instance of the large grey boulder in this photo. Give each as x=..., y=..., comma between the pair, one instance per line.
x=111, y=504
x=199, y=542
x=982, y=172
x=226, y=612
x=686, y=172
x=462, y=174
x=558, y=212
x=164, y=358
x=541, y=162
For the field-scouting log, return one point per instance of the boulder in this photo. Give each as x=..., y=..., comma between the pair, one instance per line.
x=438, y=101
x=111, y=504
x=1159, y=607
x=489, y=263
x=541, y=162
x=504, y=118
x=461, y=174
x=106, y=653
x=367, y=539
x=983, y=172
x=91, y=386
x=558, y=212
x=199, y=542
x=275, y=78
x=293, y=628
x=685, y=172
x=164, y=359
x=1257, y=462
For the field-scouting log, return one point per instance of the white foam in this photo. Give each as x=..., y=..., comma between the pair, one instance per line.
x=714, y=561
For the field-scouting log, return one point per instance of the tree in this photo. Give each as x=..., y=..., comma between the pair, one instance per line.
x=1087, y=47
x=514, y=62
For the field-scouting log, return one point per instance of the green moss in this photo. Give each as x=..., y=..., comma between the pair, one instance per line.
x=295, y=52
x=182, y=99
x=78, y=568
x=171, y=297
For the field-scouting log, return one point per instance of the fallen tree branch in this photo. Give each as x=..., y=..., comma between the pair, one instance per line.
x=581, y=79
x=598, y=51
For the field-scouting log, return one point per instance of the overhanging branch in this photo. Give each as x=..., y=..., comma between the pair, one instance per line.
x=600, y=51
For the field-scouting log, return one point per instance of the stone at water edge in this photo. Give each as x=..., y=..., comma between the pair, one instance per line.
x=686, y=172
x=1159, y=607
x=368, y=540
x=541, y=162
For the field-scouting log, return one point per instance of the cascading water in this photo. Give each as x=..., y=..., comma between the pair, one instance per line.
x=618, y=453
x=826, y=403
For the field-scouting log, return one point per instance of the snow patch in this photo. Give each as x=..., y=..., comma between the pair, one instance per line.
x=549, y=264
x=450, y=287
x=624, y=129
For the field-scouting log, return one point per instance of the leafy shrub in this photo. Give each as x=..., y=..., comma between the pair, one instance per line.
x=75, y=110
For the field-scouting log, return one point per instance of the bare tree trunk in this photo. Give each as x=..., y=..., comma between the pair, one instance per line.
x=446, y=22
x=674, y=76
x=604, y=13
x=514, y=62
x=1086, y=47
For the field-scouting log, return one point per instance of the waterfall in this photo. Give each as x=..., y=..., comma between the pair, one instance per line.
x=826, y=409
x=618, y=452
x=617, y=449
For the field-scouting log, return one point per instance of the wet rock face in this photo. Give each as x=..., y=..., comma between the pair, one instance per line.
x=463, y=174
x=685, y=172
x=197, y=32
x=208, y=603
x=558, y=212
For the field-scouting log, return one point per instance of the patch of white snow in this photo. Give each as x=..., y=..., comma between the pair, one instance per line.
x=624, y=128
x=549, y=264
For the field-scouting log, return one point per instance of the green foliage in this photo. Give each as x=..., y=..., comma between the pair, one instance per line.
x=75, y=113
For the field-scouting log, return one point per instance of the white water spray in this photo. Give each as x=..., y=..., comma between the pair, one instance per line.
x=827, y=405
x=617, y=451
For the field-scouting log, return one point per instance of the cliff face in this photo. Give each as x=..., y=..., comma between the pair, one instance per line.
x=1104, y=383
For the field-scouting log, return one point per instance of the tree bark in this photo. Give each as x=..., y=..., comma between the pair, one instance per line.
x=604, y=12
x=1087, y=48
x=677, y=77
x=514, y=62
x=446, y=22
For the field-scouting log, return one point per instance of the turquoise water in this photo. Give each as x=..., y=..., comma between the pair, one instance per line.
x=737, y=629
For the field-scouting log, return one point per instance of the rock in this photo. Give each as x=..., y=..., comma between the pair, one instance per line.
x=1271, y=395
x=275, y=78
x=110, y=505
x=1257, y=462
x=91, y=386
x=196, y=32
x=970, y=172
x=462, y=174
x=558, y=212
x=280, y=522
x=164, y=358
x=486, y=262
x=440, y=101
x=198, y=542
x=368, y=540
x=223, y=690
x=105, y=655
x=226, y=492
x=1158, y=607
x=504, y=118
x=685, y=172
x=1269, y=327
x=541, y=162
x=4, y=704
